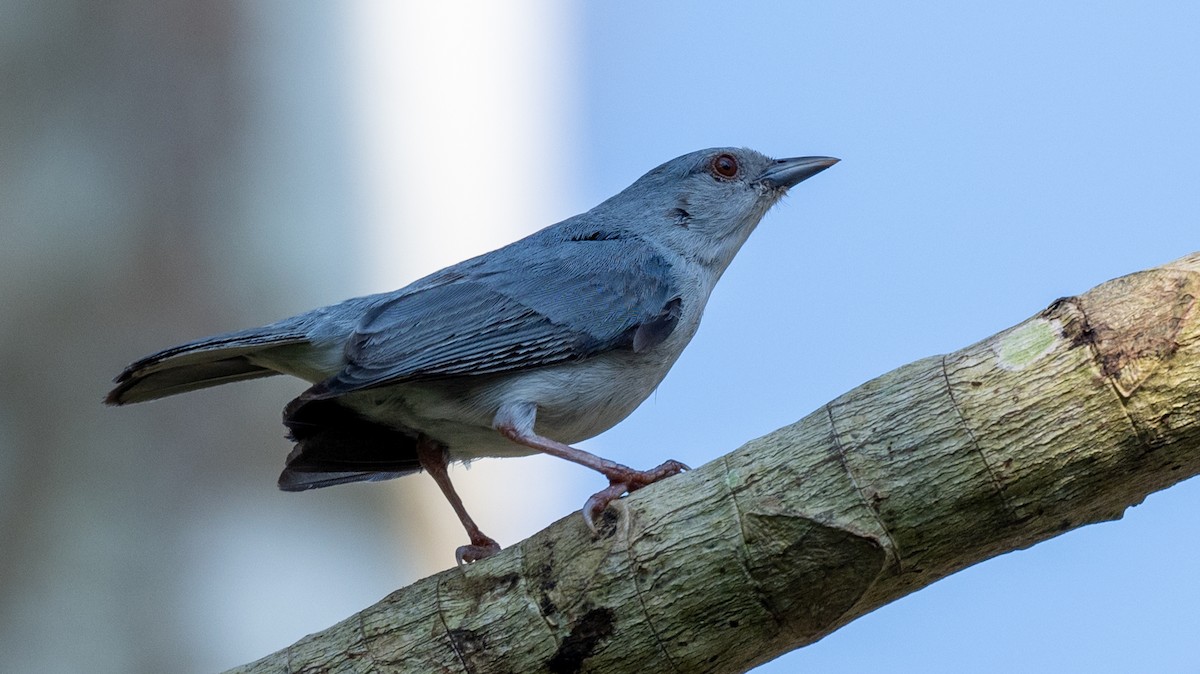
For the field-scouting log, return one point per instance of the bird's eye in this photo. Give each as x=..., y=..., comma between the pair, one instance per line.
x=724, y=167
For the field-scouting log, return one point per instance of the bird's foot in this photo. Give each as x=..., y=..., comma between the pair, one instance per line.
x=622, y=480
x=481, y=547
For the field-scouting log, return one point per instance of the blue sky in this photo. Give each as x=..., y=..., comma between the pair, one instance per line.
x=995, y=157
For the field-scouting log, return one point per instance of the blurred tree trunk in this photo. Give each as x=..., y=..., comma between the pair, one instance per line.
x=117, y=119
x=126, y=130
x=1064, y=420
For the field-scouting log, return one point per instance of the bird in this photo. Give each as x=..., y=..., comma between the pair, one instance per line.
x=532, y=347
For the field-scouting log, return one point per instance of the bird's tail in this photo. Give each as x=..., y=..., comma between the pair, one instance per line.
x=206, y=362
x=336, y=445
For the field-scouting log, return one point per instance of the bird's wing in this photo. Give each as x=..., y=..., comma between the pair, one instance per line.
x=537, y=306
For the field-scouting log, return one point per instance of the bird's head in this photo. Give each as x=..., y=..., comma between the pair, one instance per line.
x=703, y=205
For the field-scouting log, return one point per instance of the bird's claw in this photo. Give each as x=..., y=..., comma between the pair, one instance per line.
x=477, y=550
x=596, y=503
x=667, y=469
x=626, y=480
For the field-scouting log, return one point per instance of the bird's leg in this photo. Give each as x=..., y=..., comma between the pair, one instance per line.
x=433, y=458
x=515, y=422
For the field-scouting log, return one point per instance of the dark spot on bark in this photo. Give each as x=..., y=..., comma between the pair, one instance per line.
x=468, y=645
x=539, y=574
x=594, y=628
x=488, y=588
x=546, y=584
x=1056, y=305
x=1130, y=339
x=1075, y=326
x=606, y=524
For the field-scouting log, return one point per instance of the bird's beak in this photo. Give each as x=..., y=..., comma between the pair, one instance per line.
x=783, y=173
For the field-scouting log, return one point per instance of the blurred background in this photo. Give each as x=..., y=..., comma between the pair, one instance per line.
x=174, y=169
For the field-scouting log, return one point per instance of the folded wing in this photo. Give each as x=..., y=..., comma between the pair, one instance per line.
x=555, y=302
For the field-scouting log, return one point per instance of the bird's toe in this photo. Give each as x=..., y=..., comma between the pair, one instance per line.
x=478, y=550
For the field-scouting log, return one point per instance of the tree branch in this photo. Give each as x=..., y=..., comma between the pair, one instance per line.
x=1064, y=420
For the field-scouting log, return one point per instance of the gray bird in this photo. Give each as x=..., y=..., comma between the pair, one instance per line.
x=530, y=348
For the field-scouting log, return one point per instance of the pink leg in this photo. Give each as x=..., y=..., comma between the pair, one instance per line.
x=433, y=459
x=516, y=424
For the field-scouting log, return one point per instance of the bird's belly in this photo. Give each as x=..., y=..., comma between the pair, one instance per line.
x=580, y=400
x=575, y=401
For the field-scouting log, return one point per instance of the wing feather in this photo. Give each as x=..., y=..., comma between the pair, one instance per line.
x=555, y=302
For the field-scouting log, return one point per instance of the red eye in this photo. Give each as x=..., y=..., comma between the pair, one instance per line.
x=724, y=166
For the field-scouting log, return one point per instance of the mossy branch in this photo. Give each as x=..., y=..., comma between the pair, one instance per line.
x=1064, y=420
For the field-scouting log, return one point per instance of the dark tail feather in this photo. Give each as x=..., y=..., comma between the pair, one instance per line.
x=200, y=364
x=334, y=445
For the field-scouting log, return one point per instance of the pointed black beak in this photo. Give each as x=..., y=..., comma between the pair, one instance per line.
x=783, y=173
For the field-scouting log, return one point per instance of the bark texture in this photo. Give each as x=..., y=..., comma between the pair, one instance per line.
x=1064, y=420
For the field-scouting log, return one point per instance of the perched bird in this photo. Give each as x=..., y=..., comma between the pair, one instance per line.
x=537, y=345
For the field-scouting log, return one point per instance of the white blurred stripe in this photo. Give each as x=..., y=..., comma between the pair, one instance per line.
x=461, y=111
